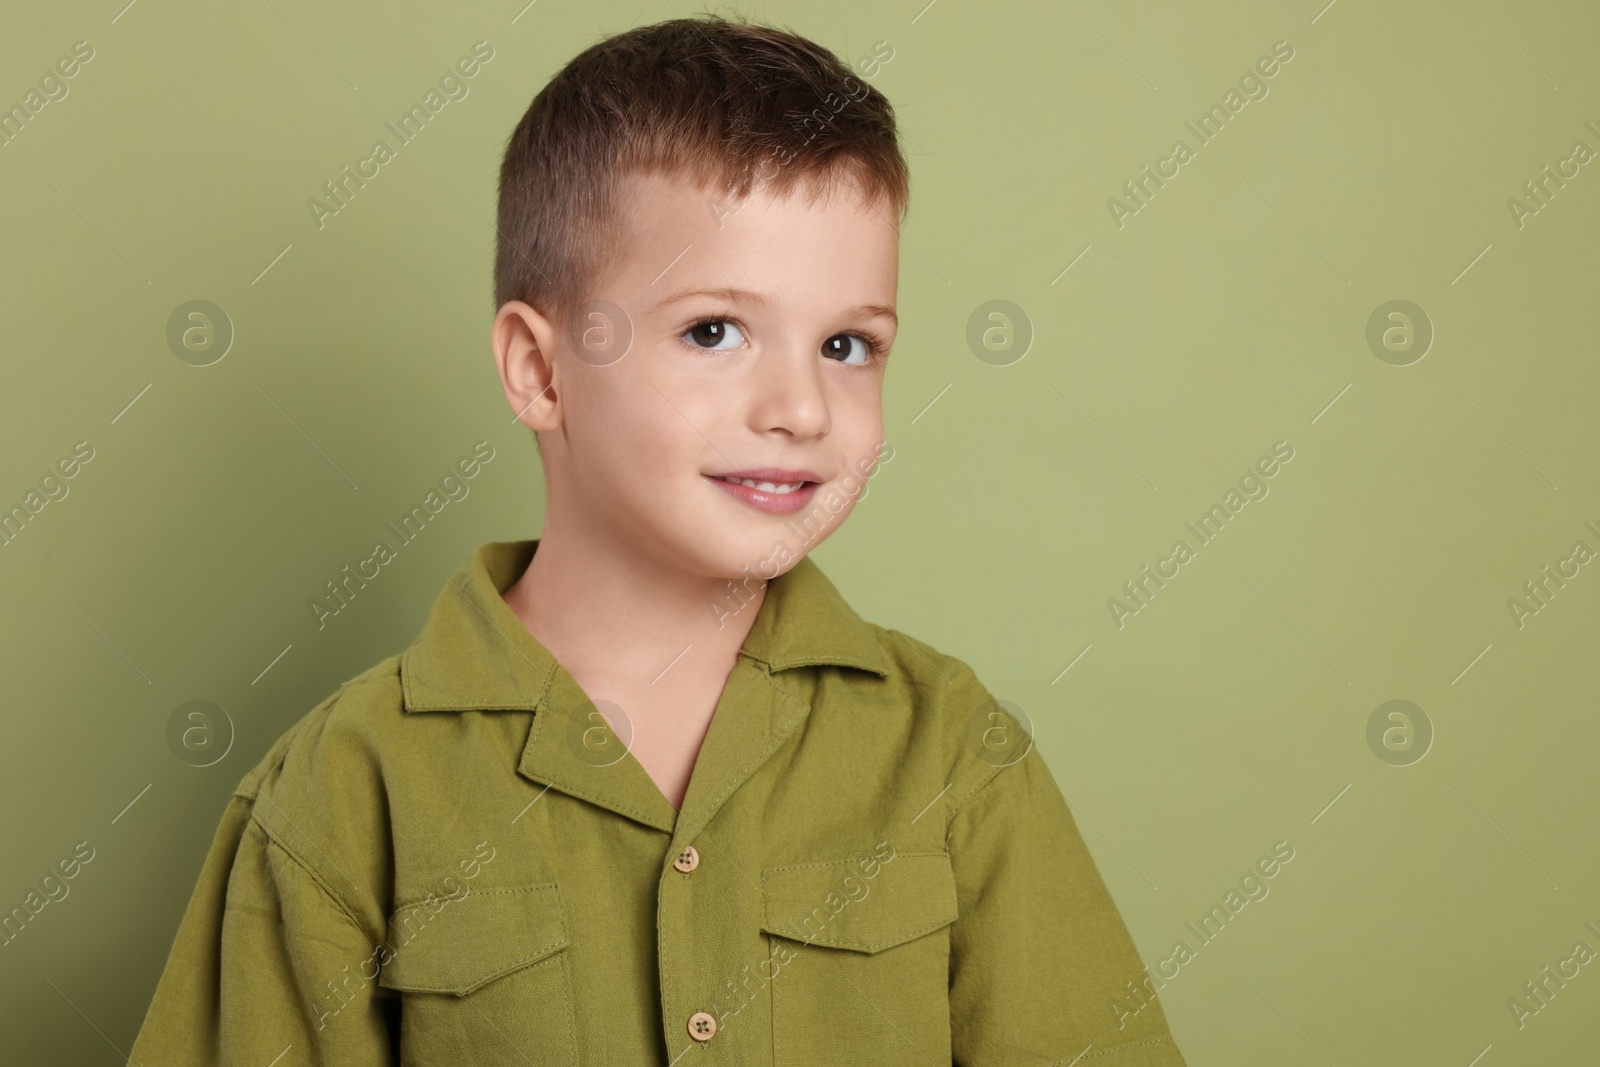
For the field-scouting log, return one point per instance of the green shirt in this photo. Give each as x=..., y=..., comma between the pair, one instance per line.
x=455, y=860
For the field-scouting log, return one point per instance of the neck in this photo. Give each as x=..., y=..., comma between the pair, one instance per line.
x=602, y=607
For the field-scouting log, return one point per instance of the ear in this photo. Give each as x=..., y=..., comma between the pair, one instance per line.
x=524, y=342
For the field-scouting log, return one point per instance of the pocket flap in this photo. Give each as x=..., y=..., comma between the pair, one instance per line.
x=456, y=944
x=834, y=903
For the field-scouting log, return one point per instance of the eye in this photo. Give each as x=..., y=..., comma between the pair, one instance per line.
x=714, y=334
x=850, y=348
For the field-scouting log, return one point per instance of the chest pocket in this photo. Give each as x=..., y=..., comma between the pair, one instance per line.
x=483, y=978
x=860, y=961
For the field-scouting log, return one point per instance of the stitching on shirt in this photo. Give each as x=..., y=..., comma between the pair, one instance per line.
x=962, y=803
x=267, y=797
x=459, y=705
x=873, y=945
x=522, y=889
x=834, y=863
x=488, y=892
x=781, y=929
x=541, y=702
x=985, y=780
x=323, y=711
x=662, y=955
x=1114, y=1050
x=604, y=802
x=486, y=979
x=572, y=1036
x=327, y=890
x=412, y=703
x=839, y=660
x=774, y=1010
x=568, y=787
x=562, y=942
x=964, y=674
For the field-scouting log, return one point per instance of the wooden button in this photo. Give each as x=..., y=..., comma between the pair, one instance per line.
x=702, y=1026
x=687, y=860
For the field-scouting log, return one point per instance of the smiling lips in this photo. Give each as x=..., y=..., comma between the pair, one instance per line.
x=777, y=490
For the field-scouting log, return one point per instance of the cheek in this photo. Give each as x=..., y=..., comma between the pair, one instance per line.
x=858, y=421
x=601, y=422
x=639, y=429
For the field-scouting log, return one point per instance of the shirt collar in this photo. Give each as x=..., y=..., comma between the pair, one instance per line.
x=475, y=653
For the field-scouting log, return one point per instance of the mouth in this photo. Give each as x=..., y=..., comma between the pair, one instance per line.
x=780, y=488
x=777, y=491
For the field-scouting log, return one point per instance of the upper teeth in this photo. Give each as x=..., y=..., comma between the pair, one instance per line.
x=767, y=487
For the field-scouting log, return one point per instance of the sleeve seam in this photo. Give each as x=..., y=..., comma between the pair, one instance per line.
x=961, y=804
x=966, y=676
x=321, y=883
x=1082, y=1056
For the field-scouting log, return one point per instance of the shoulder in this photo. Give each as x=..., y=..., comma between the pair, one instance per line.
x=924, y=667
x=318, y=793
x=342, y=728
x=978, y=734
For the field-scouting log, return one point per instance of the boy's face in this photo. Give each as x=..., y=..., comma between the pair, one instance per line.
x=752, y=332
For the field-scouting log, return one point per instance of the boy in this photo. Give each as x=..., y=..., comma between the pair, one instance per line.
x=647, y=788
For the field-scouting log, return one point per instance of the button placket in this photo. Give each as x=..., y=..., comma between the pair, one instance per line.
x=699, y=950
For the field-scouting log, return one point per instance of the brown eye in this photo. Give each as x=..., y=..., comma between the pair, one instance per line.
x=847, y=348
x=715, y=333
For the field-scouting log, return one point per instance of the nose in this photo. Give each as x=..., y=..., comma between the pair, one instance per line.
x=790, y=393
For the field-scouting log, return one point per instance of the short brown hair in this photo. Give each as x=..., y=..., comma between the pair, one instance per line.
x=727, y=101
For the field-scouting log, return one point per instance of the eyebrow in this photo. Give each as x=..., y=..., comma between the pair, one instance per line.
x=734, y=295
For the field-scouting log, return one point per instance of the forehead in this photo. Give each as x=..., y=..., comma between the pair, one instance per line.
x=825, y=238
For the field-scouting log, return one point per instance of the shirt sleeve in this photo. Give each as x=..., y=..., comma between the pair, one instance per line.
x=267, y=964
x=1041, y=963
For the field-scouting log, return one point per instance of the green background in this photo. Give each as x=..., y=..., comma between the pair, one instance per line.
x=1229, y=314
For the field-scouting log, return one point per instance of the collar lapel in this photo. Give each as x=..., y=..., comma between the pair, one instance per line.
x=474, y=654
x=572, y=748
x=803, y=621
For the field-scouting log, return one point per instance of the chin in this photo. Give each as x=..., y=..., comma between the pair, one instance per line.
x=750, y=553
